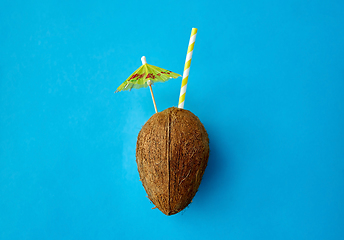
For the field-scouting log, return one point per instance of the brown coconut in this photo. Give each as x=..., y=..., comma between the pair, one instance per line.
x=172, y=153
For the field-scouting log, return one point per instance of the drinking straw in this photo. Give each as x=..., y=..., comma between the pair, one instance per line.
x=187, y=68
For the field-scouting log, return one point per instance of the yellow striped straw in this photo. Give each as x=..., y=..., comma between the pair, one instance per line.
x=187, y=67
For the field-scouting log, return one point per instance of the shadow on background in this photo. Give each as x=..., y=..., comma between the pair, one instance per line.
x=217, y=173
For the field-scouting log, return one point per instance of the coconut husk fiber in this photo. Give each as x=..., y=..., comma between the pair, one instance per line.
x=171, y=154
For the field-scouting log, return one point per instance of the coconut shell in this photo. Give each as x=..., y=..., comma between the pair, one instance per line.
x=171, y=154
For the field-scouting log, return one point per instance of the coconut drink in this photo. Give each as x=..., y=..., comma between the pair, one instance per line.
x=172, y=148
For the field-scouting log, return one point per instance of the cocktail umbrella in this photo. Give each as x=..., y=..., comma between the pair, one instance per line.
x=145, y=76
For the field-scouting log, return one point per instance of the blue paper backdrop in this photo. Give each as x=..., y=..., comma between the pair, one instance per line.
x=266, y=80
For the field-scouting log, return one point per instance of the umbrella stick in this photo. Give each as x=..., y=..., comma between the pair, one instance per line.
x=151, y=90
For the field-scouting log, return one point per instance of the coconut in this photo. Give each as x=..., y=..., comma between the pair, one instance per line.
x=171, y=154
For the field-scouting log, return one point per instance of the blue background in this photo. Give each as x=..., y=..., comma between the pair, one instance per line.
x=266, y=80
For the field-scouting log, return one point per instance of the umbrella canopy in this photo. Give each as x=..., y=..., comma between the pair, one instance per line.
x=140, y=78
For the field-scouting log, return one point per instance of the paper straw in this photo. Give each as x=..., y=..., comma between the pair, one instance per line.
x=187, y=68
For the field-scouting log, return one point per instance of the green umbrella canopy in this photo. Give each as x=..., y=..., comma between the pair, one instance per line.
x=140, y=78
